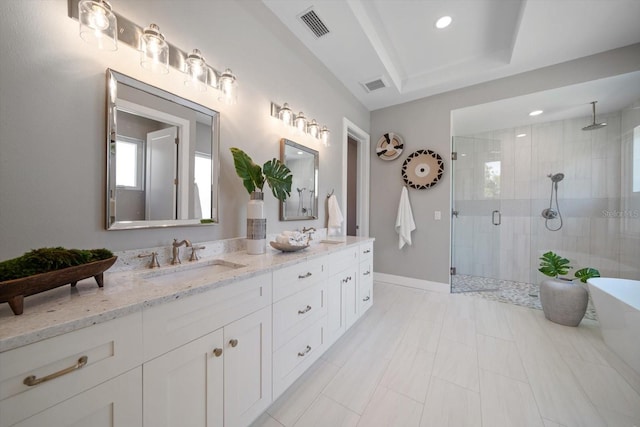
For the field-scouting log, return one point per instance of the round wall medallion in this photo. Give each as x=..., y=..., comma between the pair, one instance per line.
x=389, y=146
x=422, y=169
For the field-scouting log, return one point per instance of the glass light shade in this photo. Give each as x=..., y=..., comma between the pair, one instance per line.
x=313, y=129
x=286, y=115
x=228, y=85
x=154, y=53
x=196, y=71
x=98, y=24
x=301, y=122
x=324, y=136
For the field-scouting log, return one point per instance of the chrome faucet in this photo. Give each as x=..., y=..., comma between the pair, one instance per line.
x=176, y=251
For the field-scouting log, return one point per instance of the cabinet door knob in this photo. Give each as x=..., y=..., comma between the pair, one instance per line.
x=217, y=352
x=233, y=342
x=306, y=310
x=367, y=298
x=304, y=353
x=300, y=276
x=367, y=251
x=366, y=273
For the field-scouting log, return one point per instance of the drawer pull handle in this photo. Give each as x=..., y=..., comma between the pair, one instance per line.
x=304, y=276
x=31, y=380
x=306, y=310
x=366, y=273
x=217, y=352
x=366, y=298
x=233, y=342
x=367, y=251
x=304, y=353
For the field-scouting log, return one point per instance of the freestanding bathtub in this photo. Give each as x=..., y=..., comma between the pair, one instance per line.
x=617, y=303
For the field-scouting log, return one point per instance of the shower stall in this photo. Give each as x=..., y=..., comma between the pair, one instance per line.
x=523, y=191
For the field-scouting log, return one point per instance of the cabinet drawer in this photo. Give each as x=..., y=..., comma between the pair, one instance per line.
x=365, y=286
x=115, y=403
x=366, y=251
x=343, y=259
x=289, y=280
x=171, y=325
x=110, y=348
x=297, y=355
x=297, y=312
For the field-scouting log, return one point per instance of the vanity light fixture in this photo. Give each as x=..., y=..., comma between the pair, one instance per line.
x=443, y=22
x=536, y=113
x=286, y=115
x=313, y=129
x=324, y=136
x=300, y=122
x=98, y=24
x=106, y=28
x=196, y=71
x=154, y=50
x=228, y=85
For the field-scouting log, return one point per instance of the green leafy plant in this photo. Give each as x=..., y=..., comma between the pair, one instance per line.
x=553, y=265
x=586, y=273
x=275, y=173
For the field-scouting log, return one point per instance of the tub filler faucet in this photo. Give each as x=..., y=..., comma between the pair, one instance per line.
x=176, y=251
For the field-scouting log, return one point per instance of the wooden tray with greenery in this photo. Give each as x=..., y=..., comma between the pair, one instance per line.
x=48, y=268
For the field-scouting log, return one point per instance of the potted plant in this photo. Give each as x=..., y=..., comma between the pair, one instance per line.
x=275, y=174
x=563, y=301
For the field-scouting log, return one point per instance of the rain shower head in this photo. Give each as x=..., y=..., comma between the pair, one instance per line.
x=556, y=177
x=594, y=125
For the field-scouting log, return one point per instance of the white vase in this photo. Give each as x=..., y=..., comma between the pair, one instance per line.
x=256, y=224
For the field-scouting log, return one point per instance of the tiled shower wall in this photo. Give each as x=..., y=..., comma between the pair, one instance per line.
x=601, y=213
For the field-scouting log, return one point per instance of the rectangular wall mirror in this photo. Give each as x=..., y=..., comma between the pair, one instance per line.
x=303, y=163
x=162, y=158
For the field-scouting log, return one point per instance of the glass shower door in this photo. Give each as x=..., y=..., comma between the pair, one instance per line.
x=476, y=214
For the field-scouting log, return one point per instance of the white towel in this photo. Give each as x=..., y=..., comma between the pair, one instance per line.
x=335, y=216
x=404, y=220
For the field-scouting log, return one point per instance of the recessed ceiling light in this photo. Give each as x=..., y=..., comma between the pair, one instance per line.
x=521, y=135
x=536, y=113
x=443, y=22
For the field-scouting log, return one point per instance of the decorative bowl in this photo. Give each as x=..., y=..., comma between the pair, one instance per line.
x=285, y=247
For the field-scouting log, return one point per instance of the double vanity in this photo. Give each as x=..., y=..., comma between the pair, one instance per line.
x=207, y=343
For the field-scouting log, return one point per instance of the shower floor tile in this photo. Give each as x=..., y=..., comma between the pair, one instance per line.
x=507, y=291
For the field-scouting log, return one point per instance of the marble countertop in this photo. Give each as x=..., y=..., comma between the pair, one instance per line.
x=66, y=309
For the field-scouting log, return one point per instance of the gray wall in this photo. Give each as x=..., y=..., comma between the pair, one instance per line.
x=52, y=115
x=426, y=123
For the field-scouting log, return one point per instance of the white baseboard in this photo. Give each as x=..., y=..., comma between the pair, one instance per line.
x=412, y=283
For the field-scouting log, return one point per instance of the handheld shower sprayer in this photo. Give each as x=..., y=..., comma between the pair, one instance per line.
x=550, y=213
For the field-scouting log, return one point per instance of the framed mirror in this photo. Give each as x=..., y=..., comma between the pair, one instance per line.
x=162, y=157
x=303, y=163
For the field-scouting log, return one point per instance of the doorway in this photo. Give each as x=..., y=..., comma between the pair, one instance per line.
x=355, y=184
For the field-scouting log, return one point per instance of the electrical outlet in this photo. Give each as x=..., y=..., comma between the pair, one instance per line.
x=437, y=215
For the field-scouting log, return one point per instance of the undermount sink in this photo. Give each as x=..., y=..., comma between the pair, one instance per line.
x=190, y=270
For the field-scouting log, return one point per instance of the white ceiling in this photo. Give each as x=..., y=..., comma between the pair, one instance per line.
x=396, y=40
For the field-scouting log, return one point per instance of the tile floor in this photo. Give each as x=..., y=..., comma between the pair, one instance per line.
x=422, y=359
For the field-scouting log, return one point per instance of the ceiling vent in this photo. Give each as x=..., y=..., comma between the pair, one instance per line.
x=374, y=84
x=315, y=24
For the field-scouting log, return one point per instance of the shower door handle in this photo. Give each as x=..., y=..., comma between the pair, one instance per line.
x=495, y=221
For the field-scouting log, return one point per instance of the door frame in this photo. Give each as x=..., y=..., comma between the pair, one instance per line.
x=350, y=129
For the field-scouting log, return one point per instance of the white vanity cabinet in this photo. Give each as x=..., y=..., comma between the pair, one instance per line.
x=299, y=320
x=84, y=377
x=220, y=378
x=342, y=293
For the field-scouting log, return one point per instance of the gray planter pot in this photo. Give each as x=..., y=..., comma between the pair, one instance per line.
x=563, y=301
